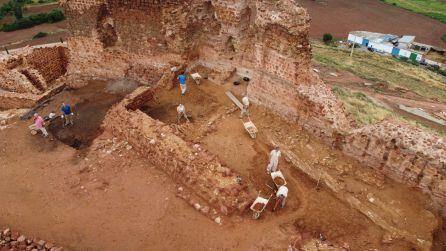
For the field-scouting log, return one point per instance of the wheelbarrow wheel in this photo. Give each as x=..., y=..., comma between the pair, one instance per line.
x=33, y=132
x=255, y=215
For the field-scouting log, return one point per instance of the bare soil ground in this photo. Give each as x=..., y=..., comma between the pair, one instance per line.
x=24, y=37
x=342, y=16
x=105, y=197
x=21, y=38
x=386, y=97
x=235, y=148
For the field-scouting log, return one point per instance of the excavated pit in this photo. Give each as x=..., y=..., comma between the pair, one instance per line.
x=218, y=129
x=90, y=104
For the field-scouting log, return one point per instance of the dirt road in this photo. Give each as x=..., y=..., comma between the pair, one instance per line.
x=339, y=17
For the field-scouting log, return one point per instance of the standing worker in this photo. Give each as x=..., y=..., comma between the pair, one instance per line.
x=181, y=110
x=182, y=79
x=274, y=156
x=245, y=102
x=67, y=114
x=281, y=195
x=40, y=124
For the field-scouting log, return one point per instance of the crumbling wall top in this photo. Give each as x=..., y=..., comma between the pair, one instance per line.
x=284, y=13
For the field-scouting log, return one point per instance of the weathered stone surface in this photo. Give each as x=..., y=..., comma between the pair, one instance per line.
x=27, y=74
x=16, y=241
x=404, y=153
x=173, y=155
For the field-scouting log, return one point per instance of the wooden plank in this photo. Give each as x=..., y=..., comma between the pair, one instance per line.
x=234, y=99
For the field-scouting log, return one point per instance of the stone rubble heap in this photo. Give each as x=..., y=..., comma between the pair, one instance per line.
x=14, y=241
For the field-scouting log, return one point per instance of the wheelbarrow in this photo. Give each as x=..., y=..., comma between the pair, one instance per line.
x=278, y=179
x=196, y=77
x=250, y=128
x=259, y=205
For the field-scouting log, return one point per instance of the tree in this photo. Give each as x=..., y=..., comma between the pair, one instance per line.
x=18, y=12
x=327, y=38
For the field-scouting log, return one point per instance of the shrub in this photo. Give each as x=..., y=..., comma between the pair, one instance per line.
x=443, y=38
x=55, y=16
x=33, y=20
x=327, y=38
x=18, y=12
x=40, y=34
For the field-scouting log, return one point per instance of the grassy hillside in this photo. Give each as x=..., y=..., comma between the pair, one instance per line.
x=432, y=8
x=361, y=107
x=385, y=69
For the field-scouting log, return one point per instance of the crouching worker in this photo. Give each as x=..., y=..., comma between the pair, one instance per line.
x=40, y=124
x=281, y=195
x=67, y=114
x=181, y=110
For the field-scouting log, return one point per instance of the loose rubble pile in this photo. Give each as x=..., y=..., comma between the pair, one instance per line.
x=10, y=240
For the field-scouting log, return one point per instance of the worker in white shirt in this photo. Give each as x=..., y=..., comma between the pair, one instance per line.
x=245, y=102
x=274, y=156
x=181, y=110
x=281, y=196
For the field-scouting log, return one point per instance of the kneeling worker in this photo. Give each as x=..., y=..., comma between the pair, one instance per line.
x=281, y=195
x=181, y=110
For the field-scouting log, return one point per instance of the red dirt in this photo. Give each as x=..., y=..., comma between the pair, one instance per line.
x=21, y=38
x=7, y=38
x=279, y=181
x=104, y=200
x=390, y=99
x=258, y=206
x=342, y=16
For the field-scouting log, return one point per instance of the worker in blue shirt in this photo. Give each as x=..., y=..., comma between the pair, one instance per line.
x=67, y=114
x=182, y=79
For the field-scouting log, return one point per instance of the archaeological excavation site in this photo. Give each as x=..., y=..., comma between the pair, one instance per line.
x=133, y=173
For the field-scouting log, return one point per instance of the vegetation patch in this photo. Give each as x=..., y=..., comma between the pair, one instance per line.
x=435, y=9
x=361, y=107
x=33, y=20
x=40, y=34
x=398, y=74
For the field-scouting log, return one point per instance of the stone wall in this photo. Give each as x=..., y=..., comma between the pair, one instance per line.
x=187, y=164
x=404, y=153
x=265, y=40
x=51, y=62
x=28, y=74
x=10, y=100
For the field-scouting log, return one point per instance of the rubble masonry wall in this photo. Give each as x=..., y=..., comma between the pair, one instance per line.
x=404, y=153
x=266, y=40
x=28, y=74
x=185, y=163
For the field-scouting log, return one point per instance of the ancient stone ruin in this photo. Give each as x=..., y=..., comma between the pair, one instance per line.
x=29, y=75
x=266, y=41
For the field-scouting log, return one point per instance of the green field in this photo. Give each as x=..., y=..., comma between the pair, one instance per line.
x=432, y=8
x=385, y=69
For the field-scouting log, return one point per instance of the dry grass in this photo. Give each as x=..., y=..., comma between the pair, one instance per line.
x=361, y=107
x=380, y=68
x=366, y=112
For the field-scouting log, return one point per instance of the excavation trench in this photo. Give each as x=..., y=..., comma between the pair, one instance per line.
x=89, y=104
